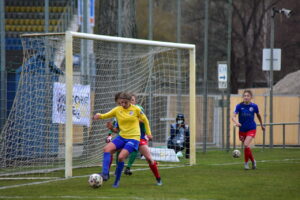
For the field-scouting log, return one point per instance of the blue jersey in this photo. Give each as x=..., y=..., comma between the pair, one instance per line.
x=246, y=114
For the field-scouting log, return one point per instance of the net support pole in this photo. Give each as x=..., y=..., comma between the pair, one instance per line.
x=192, y=106
x=3, y=82
x=69, y=93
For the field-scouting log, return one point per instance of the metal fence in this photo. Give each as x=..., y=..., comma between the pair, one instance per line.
x=265, y=135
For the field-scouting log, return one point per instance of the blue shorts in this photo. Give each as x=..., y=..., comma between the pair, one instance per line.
x=129, y=144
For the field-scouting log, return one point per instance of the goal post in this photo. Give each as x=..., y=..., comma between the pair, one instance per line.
x=52, y=80
x=69, y=83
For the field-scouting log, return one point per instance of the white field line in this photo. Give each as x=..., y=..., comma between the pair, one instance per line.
x=258, y=161
x=89, y=197
x=67, y=197
x=62, y=179
x=27, y=178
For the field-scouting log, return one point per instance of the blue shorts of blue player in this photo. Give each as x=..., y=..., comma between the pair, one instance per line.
x=129, y=145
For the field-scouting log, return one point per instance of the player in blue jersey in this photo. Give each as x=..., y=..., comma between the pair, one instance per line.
x=246, y=111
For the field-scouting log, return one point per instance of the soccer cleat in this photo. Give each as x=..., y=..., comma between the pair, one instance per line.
x=246, y=166
x=254, y=164
x=116, y=184
x=159, y=181
x=105, y=177
x=127, y=171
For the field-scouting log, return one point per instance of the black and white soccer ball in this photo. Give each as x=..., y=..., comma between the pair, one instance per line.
x=95, y=180
x=236, y=153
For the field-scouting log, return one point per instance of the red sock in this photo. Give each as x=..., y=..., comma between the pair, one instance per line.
x=246, y=154
x=111, y=160
x=250, y=155
x=154, y=169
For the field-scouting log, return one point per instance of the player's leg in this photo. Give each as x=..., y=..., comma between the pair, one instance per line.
x=131, y=159
x=107, y=152
x=242, y=137
x=117, y=157
x=144, y=149
x=111, y=160
x=248, y=151
x=110, y=148
x=130, y=146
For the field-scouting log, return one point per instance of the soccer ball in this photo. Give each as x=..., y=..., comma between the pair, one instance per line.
x=236, y=153
x=95, y=180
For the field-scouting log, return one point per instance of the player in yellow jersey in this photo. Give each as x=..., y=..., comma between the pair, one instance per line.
x=128, y=139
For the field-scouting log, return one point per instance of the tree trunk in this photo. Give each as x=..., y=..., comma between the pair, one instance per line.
x=107, y=18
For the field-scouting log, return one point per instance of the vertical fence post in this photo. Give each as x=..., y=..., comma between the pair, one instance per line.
x=234, y=138
x=283, y=135
x=264, y=139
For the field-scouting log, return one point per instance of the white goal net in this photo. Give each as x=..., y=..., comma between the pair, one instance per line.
x=67, y=78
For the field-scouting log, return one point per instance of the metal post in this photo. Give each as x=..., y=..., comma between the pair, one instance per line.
x=283, y=135
x=119, y=31
x=69, y=115
x=150, y=19
x=46, y=10
x=271, y=75
x=264, y=139
x=299, y=121
x=228, y=72
x=84, y=49
x=205, y=74
x=178, y=39
x=234, y=135
x=223, y=121
x=3, y=81
x=150, y=37
x=192, y=106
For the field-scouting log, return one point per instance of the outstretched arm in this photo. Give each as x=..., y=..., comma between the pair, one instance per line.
x=107, y=115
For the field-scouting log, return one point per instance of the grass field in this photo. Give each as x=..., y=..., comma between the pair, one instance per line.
x=216, y=176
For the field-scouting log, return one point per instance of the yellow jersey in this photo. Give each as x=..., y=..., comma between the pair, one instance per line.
x=128, y=121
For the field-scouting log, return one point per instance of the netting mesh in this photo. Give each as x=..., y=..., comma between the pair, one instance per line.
x=33, y=141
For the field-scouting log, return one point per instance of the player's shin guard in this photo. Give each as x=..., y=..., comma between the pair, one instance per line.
x=132, y=158
x=250, y=155
x=154, y=169
x=246, y=154
x=119, y=170
x=105, y=163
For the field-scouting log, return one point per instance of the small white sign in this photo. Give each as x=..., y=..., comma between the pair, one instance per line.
x=163, y=154
x=81, y=104
x=222, y=75
x=267, y=59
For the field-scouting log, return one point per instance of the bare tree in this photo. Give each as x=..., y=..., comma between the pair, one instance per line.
x=107, y=18
x=248, y=40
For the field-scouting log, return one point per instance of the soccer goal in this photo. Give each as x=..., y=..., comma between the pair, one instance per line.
x=67, y=77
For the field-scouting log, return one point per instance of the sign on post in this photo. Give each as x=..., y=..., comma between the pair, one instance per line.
x=267, y=58
x=222, y=75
